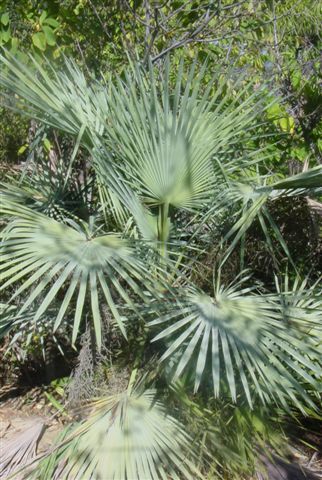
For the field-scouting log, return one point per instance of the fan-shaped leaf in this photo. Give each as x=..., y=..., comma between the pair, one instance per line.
x=47, y=257
x=243, y=338
x=126, y=436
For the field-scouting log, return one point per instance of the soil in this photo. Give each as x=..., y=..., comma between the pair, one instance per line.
x=22, y=411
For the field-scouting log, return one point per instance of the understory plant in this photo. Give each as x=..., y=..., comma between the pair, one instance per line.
x=169, y=161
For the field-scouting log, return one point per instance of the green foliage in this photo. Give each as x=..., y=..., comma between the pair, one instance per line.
x=43, y=26
x=140, y=165
x=13, y=134
x=264, y=40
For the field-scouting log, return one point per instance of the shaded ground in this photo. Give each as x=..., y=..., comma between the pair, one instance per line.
x=278, y=469
x=13, y=423
x=27, y=414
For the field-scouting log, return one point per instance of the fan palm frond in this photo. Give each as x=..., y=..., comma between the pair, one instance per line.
x=309, y=179
x=167, y=145
x=64, y=100
x=51, y=257
x=169, y=137
x=46, y=190
x=241, y=339
x=301, y=303
x=248, y=202
x=61, y=100
x=130, y=435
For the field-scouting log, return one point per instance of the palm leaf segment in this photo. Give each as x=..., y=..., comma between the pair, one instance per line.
x=241, y=338
x=47, y=256
x=126, y=436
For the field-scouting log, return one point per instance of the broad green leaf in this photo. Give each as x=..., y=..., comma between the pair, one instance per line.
x=42, y=17
x=275, y=111
x=51, y=22
x=47, y=144
x=22, y=149
x=5, y=19
x=287, y=124
x=6, y=35
x=14, y=44
x=50, y=35
x=39, y=40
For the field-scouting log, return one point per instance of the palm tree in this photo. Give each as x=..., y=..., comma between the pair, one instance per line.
x=172, y=153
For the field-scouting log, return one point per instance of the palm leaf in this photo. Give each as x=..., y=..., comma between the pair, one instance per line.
x=46, y=190
x=240, y=339
x=130, y=435
x=169, y=146
x=310, y=179
x=247, y=202
x=61, y=100
x=65, y=101
x=168, y=138
x=45, y=256
x=301, y=303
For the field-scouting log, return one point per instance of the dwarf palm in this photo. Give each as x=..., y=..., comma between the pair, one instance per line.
x=165, y=153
